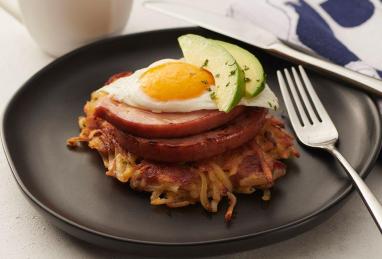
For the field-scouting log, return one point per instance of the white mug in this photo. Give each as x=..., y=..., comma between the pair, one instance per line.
x=60, y=26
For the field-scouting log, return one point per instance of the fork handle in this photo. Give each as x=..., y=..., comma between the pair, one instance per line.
x=357, y=79
x=367, y=196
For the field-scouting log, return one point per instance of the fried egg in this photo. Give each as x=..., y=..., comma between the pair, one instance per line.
x=172, y=85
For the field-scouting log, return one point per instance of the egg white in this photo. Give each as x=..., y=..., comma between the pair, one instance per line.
x=128, y=90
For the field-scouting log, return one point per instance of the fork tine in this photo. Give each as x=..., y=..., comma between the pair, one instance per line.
x=305, y=99
x=296, y=99
x=313, y=95
x=288, y=101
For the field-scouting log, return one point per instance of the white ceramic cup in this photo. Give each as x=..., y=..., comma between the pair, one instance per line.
x=60, y=26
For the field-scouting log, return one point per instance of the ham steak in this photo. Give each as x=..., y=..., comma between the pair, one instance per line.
x=195, y=147
x=148, y=124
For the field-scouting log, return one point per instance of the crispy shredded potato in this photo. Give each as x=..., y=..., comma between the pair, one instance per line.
x=253, y=166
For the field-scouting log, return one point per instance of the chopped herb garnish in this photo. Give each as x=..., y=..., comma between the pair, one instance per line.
x=217, y=75
x=245, y=68
x=273, y=106
x=204, y=82
x=226, y=63
x=209, y=89
x=257, y=80
x=213, y=95
x=205, y=63
x=227, y=84
x=247, y=80
x=233, y=72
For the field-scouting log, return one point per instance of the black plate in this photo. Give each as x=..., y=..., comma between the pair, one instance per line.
x=71, y=189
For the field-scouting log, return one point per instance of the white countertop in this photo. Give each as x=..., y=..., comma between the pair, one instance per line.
x=25, y=234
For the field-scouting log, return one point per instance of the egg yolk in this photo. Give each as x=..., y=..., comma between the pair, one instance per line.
x=175, y=81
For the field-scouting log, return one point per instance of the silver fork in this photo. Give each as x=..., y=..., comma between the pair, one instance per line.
x=314, y=128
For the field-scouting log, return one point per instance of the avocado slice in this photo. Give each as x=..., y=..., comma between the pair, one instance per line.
x=252, y=68
x=229, y=77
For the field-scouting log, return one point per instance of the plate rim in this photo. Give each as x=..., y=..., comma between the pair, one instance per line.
x=370, y=162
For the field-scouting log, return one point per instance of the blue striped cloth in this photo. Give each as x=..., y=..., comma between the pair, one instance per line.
x=347, y=32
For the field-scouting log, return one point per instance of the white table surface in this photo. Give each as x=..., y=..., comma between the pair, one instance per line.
x=25, y=234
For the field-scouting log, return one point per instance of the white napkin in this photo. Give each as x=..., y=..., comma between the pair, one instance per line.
x=347, y=32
